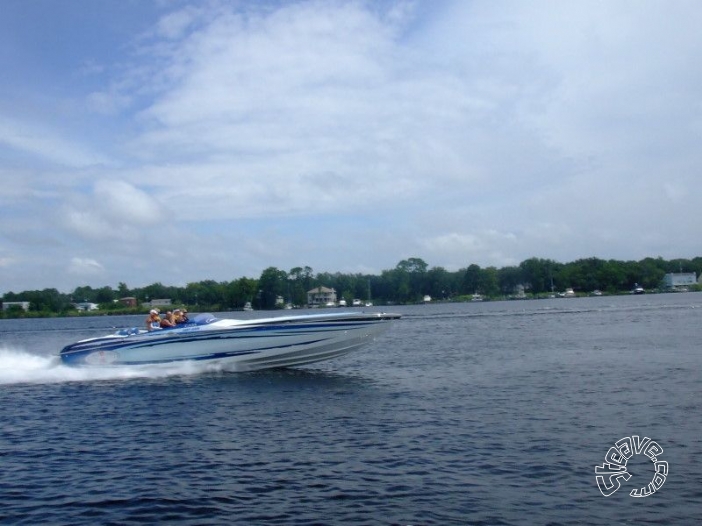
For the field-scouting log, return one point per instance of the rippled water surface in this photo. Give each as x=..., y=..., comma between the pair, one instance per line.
x=480, y=413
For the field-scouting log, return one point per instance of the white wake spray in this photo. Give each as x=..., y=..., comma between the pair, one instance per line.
x=19, y=366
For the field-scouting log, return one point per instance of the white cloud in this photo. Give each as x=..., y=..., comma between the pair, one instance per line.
x=7, y=261
x=282, y=98
x=46, y=144
x=122, y=202
x=108, y=102
x=85, y=267
x=87, y=224
x=346, y=135
x=174, y=25
x=459, y=249
x=113, y=210
x=675, y=191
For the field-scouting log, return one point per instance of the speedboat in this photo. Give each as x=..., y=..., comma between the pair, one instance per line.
x=237, y=345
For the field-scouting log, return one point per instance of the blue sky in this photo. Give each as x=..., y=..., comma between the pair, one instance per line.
x=178, y=141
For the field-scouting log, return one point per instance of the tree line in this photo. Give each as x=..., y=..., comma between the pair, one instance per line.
x=409, y=282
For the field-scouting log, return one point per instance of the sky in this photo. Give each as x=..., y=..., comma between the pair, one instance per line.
x=173, y=141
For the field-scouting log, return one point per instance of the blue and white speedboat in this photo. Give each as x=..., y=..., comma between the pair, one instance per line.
x=238, y=345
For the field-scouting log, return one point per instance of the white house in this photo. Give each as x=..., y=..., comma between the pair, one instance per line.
x=681, y=279
x=321, y=296
x=6, y=305
x=87, y=306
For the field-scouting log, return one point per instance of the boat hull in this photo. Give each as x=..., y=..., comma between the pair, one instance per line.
x=238, y=345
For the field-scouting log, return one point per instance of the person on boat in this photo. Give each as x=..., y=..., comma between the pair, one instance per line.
x=168, y=320
x=153, y=320
x=181, y=316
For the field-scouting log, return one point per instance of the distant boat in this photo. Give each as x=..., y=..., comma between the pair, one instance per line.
x=597, y=292
x=569, y=293
x=247, y=306
x=342, y=303
x=427, y=298
x=638, y=289
x=356, y=303
x=476, y=297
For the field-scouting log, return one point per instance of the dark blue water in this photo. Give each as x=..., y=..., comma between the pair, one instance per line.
x=479, y=413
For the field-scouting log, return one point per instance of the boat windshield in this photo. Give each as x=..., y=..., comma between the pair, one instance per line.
x=204, y=319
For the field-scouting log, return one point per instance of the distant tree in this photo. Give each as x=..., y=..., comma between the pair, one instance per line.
x=104, y=295
x=652, y=272
x=271, y=284
x=296, y=286
x=613, y=276
x=440, y=283
x=508, y=279
x=211, y=294
x=84, y=293
x=344, y=286
x=471, y=279
x=537, y=274
x=362, y=287
x=13, y=311
x=409, y=277
x=489, y=283
x=122, y=290
x=238, y=293
x=47, y=300
x=155, y=291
